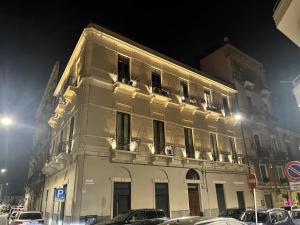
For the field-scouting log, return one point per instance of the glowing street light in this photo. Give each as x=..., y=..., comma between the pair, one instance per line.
x=238, y=116
x=6, y=121
x=3, y=170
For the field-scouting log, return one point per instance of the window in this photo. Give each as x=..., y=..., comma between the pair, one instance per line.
x=189, y=145
x=233, y=150
x=214, y=147
x=184, y=91
x=71, y=135
x=156, y=80
x=207, y=98
x=123, y=68
x=226, y=106
x=139, y=215
x=274, y=144
x=280, y=172
x=123, y=131
x=257, y=142
x=263, y=172
x=192, y=175
x=61, y=144
x=159, y=136
x=162, y=197
x=220, y=197
x=249, y=103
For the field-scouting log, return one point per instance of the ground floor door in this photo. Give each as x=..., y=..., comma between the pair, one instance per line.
x=241, y=200
x=162, y=197
x=194, y=199
x=122, y=197
x=269, y=202
x=220, y=197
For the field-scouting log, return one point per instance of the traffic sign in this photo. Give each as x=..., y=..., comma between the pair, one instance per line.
x=60, y=194
x=252, y=181
x=292, y=171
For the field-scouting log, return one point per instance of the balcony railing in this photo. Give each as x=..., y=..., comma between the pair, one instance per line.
x=213, y=108
x=190, y=100
x=161, y=91
x=64, y=147
x=123, y=143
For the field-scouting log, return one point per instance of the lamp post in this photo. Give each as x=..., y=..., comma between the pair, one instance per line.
x=6, y=121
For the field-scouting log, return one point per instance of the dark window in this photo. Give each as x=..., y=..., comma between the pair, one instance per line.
x=71, y=135
x=263, y=172
x=61, y=143
x=63, y=205
x=192, y=175
x=151, y=214
x=249, y=103
x=274, y=144
x=189, y=145
x=123, y=131
x=159, y=137
x=156, y=80
x=257, y=142
x=214, y=146
x=162, y=197
x=207, y=98
x=184, y=89
x=123, y=68
x=30, y=216
x=225, y=106
x=233, y=150
x=220, y=197
x=122, y=198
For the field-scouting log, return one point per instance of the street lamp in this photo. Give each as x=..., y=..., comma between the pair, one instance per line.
x=6, y=121
x=3, y=170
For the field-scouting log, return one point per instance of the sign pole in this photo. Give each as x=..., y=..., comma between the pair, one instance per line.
x=255, y=206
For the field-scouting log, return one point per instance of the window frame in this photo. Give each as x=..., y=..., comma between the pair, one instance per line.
x=122, y=125
x=162, y=151
x=129, y=69
x=212, y=146
x=266, y=169
x=185, y=142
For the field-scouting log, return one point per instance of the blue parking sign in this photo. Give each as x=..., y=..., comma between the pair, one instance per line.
x=60, y=194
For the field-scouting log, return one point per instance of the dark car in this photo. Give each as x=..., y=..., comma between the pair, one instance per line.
x=276, y=216
x=232, y=213
x=196, y=220
x=138, y=217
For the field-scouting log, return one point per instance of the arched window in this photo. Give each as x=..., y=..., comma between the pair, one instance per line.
x=192, y=175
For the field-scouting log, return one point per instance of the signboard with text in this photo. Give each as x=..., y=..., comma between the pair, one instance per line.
x=295, y=186
x=60, y=194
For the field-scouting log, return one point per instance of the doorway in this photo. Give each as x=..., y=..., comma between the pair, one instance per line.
x=241, y=200
x=220, y=197
x=122, y=197
x=194, y=199
x=269, y=201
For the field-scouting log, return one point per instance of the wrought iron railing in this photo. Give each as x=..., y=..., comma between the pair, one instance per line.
x=161, y=91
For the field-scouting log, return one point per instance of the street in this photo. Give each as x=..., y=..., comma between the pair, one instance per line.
x=2, y=219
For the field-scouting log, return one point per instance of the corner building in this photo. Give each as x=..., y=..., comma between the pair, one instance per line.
x=133, y=128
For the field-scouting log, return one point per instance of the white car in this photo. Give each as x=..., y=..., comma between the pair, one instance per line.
x=27, y=217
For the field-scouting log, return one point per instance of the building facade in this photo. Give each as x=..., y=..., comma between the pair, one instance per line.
x=41, y=142
x=268, y=146
x=133, y=128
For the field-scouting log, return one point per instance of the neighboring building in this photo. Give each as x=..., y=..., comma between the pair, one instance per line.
x=41, y=142
x=135, y=129
x=268, y=146
x=287, y=19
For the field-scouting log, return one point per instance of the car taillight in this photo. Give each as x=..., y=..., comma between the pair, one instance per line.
x=18, y=222
x=41, y=221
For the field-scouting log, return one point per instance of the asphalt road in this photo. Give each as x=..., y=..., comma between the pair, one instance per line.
x=3, y=219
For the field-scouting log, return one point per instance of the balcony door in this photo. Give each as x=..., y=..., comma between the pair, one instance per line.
x=189, y=144
x=257, y=142
x=123, y=68
x=159, y=136
x=123, y=131
x=156, y=79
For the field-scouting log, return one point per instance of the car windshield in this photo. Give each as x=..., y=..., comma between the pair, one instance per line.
x=30, y=216
x=296, y=214
x=121, y=217
x=249, y=216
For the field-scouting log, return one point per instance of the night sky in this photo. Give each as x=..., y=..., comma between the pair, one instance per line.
x=34, y=36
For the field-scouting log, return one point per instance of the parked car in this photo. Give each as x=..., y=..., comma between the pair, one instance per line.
x=11, y=217
x=196, y=220
x=276, y=216
x=232, y=213
x=12, y=210
x=295, y=214
x=27, y=217
x=138, y=217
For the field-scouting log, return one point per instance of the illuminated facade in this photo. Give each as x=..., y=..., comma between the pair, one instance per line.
x=268, y=146
x=135, y=129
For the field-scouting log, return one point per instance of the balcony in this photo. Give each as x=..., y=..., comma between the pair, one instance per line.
x=160, y=96
x=189, y=103
x=70, y=94
x=53, y=121
x=286, y=18
x=125, y=86
x=61, y=106
x=212, y=111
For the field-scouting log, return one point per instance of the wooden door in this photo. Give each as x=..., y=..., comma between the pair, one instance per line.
x=194, y=199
